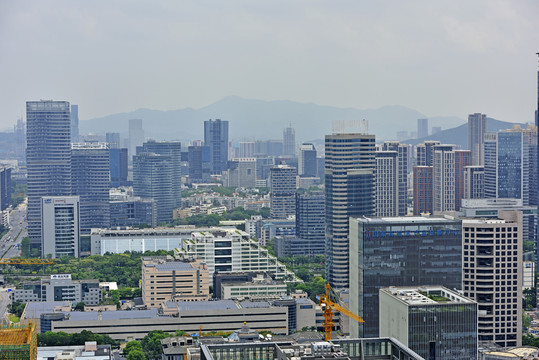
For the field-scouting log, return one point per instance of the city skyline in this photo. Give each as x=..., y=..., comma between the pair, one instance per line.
x=424, y=66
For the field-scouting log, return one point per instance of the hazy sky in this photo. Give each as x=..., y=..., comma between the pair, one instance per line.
x=438, y=57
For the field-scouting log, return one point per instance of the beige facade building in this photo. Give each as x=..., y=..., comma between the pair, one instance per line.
x=492, y=275
x=165, y=279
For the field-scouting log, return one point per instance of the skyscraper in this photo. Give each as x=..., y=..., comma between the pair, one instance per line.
x=492, y=275
x=118, y=167
x=20, y=139
x=199, y=164
x=153, y=178
x=74, y=123
x=422, y=128
x=5, y=188
x=310, y=222
x=477, y=127
x=90, y=177
x=173, y=149
x=423, y=186
x=289, y=141
x=113, y=139
x=463, y=158
x=425, y=153
x=474, y=182
x=349, y=177
x=48, y=158
x=399, y=251
x=443, y=192
x=307, y=163
x=387, y=184
x=402, y=173
x=282, y=191
x=136, y=136
x=511, y=165
x=241, y=173
x=216, y=138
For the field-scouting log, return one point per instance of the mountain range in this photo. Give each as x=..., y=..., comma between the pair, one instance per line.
x=263, y=120
x=259, y=119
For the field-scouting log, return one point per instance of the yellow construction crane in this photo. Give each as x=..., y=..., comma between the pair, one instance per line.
x=18, y=261
x=328, y=306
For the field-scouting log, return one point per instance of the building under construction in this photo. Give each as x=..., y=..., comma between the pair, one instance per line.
x=18, y=342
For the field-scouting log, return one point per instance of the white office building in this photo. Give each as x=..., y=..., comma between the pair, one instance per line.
x=60, y=228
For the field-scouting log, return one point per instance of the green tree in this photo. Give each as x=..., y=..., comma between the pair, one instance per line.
x=79, y=306
x=136, y=355
x=25, y=247
x=151, y=343
x=132, y=345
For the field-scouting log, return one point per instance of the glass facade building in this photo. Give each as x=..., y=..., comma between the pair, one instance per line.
x=433, y=321
x=349, y=183
x=216, y=138
x=399, y=251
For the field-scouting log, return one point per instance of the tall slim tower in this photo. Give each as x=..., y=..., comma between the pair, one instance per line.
x=477, y=127
x=349, y=173
x=48, y=158
x=307, y=163
x=387, y=184
x=74, y=123
x=289, y=141
x=463, y=158
x=443, y=192
x=282, y=191
x=136, y=136
x=216, y=138
x=90, y=176
x=402, y=173
x=422, y=128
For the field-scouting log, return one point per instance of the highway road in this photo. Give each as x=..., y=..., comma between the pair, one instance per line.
x=15, y=234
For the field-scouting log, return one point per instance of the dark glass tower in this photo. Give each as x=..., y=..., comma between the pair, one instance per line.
x=216, y=138
x=349, y=176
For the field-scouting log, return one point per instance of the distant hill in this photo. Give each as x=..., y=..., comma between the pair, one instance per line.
x=459, y=134
x=263, y=120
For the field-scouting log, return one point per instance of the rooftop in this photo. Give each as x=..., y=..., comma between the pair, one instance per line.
x=202, y=305
x=113, y=315
x=406, y=219
x=426, y=295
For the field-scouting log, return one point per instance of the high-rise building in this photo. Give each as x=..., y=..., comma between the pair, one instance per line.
x=136, y=136
x=118, y=167
x=433, y=321
x=477, y=127
x=422, y=128
x=173, y=149
x=474, y=182
x=282, y=191
x=20, y=139
x=311, y=222
x=48, y=158
x=349, y=182
x=425, y=153
x=60, y=226
x=153, y=178
x=74, y=123
x=5, y=188
x=133, y=211
x=423, y=186
x=443, y=192
x=402, y=168
x=492, y=275
x=463, y=158
x=246, y=149
x=289, y=141
x=90, y=177
x=199, y=164
x=387, y=184
x=511, y=165
x=113, y=139
x=307, y=163
x=216, y=138
x=241, y=172
x=399, y=251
